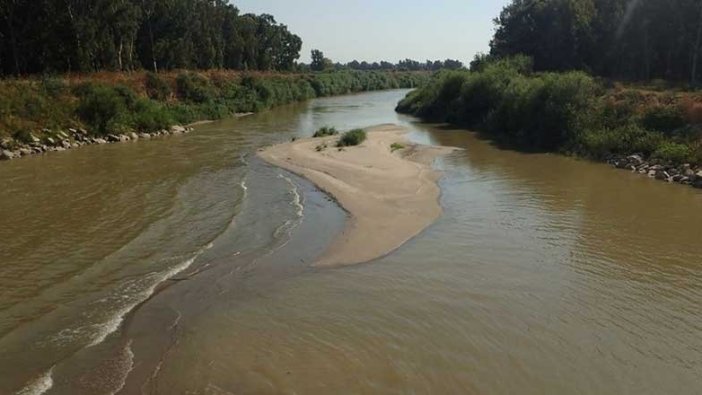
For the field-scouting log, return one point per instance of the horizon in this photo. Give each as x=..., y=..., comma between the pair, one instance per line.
x=395, y=30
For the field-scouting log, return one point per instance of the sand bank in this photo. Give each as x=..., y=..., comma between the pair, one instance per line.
x=390, y=196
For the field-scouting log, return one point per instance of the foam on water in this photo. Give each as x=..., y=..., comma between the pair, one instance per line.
x=103, y=330
x=39, y=386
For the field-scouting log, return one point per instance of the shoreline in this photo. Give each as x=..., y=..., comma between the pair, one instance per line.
x=389, y=195
x=77, y=138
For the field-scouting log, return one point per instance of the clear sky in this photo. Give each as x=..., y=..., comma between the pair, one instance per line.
x=375, y=30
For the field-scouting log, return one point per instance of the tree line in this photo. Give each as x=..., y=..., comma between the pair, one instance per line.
x=40, y=36
x=622, y=39
x=321, y=63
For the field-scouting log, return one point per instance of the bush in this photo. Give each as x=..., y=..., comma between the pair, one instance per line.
x=100, y=106
x=674, y=152
x=351, y=138
x=194, y=88
x=665, y=119
x=325, y=131
x=625, y=139
x=157, y=88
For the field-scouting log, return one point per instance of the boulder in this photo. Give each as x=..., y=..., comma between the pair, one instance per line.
x=66, y=144
x=100, y=141
x=662, y=175
x=635, y=159
x=25, y=151
x=112, y=138
x=34, y=139
x=51, y=141
x=134, y=136
x=144, y=136
x=177, y=129
x=6, y=155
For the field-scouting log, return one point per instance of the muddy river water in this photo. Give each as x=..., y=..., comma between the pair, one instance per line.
x=183, y=265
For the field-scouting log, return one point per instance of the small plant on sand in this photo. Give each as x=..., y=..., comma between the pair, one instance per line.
x=352, y=137
x=321, y=147
x=325, y=132
x=396, y=146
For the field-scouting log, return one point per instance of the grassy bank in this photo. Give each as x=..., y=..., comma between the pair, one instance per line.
x=570, y=113
x=120, y=103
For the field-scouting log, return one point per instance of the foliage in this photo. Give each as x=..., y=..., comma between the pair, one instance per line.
x=664, y=119
x=352, y=137
x=396, y=147
x=156, y=87
x=81, y=36
x=326, y=131
x=673, y=152
x=622, y=39
x=149, y=102
x=568, y=112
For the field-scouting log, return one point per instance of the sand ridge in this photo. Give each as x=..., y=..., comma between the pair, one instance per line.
x=390, y=196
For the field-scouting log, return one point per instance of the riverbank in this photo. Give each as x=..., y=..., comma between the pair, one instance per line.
x=55, y=114
x=386, y=184
x=658, y=133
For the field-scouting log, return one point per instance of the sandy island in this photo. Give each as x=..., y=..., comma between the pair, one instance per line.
x=390, y=196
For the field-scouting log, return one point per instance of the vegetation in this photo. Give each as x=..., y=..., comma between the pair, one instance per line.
x=325, y=132
x=396, y=147
x=83, y=36
x=567, y=112
x=352, y=138
x=620, y=39
x=117, y=103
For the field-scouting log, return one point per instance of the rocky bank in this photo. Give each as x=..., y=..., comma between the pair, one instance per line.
x=685, y=174
x=59, y=140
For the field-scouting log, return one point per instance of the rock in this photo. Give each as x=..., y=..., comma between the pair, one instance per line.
x=662, y=175
x=635, y=159
x=651, y=173
x=656, y=167
x=677, y=178
x=6, y=143
x=66, y=144
x=6, y=155
x=34, y=139
x=123, y=138
x=177, y=129
x=100, y=141
x=112, y=138
x=144, y=136
x=51, y=141
x=62, y=134
x=688, y=173
x=25, y=151
x=134, y=136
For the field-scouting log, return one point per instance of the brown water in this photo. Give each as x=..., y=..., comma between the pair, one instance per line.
x=545, y=275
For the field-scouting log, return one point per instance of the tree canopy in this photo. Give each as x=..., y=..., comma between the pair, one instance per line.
x=626, y=39
x=38, y=36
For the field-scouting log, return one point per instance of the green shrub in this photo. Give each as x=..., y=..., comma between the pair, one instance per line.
x=396, y=147
x=625, y=139
x=194, y=88
x=325, y=131
x=665, y=119
x=673, y=152
x=157, y=88
x=100, y=106
x=53, y=87
x=352, y=137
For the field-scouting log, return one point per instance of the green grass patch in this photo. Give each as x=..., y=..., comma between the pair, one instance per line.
x=396, y=147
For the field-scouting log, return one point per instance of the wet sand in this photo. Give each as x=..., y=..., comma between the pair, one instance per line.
x=390, y=196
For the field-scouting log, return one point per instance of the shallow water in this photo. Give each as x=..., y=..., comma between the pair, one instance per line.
x=545, y=274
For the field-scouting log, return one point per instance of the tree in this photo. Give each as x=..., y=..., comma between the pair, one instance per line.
x=318, y=60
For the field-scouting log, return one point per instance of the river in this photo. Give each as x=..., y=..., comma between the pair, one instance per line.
x=182, y=265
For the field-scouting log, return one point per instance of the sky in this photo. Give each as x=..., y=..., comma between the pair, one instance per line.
x=375, y=30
